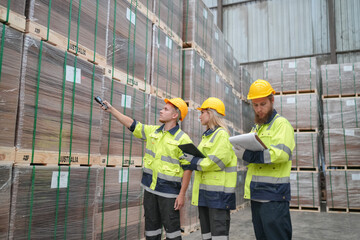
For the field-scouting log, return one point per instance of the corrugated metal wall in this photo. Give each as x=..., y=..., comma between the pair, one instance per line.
x=273, y=29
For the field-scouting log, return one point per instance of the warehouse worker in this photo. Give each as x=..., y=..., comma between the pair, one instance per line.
x=267, y=181
x=164, y=180
x=216, y=174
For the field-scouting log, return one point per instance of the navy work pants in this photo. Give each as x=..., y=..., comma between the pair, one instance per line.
x=214, y=223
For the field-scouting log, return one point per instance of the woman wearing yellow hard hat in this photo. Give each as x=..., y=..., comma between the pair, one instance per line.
x=215, y=174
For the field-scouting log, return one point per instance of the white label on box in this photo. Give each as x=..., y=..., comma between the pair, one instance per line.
x=70, y=74
x=226, y=90
x=348, y=68
x=349, y=132
x=126, y=98
x=234, y=63
x=202, y=63
x=216, y=36
x=205, y=13
x=350, y=102
x=355, y=176
x=124, y=176
x=229, y=48
x=168, y=42
x=63, y=179
x=292, y=64
x=290, y=100
x=236, y=101
x=130, y=15
x=293, y=176
x=217, y=79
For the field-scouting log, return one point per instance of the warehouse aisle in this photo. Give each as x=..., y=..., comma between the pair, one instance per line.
x=306, y=225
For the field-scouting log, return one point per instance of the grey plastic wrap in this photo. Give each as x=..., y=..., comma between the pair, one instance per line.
x=58, y=201
x=17, y=6
x=241, y=176
x=171, y=14
x=119, y=206
x=9, y=84
x=248, y=117
x=341, y=112
x=192, y=126
x=5, y=196
x=217, y=86
x=166, y=70
x=155, y=106
x=237, y=119
x=343, y=190
x=342, y=147
x=129, y=41
x=292, y=74
x=228, y=61
x=340, y=79
x=117, y=140
x=189, y=214
x=305, y=189
x=198, y=23
x=245, y=81
x=64, y=113
x=301, y=110
x=306, y=151
x=236, y=78
x=217, y=49
x=87, y=26
x=197, y=77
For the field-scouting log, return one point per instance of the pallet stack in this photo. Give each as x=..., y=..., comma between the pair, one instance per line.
x=296, y=82
x=341, y=88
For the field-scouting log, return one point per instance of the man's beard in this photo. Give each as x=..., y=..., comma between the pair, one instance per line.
x=263, y=120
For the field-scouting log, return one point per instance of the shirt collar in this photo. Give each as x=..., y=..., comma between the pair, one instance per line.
x=172, y=131
x=210, y=131
x=272, y=116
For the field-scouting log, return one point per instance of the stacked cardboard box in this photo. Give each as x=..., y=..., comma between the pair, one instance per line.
x=305, y=190
x=306, y=151
x=171, y=14
x=5, y=197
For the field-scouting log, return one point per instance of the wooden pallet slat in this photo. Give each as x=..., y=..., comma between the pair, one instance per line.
x=14, y=20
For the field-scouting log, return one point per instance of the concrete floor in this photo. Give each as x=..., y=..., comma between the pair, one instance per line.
x=306, y=225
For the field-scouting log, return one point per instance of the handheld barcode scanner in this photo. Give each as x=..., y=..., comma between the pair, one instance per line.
x=99, y=100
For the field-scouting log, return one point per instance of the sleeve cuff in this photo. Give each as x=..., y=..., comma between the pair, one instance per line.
x=193, y=164
x=253, y=156
x=133, y=125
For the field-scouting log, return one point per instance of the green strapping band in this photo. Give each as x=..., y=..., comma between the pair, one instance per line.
x=356, y=116
x=313, y=189
x=342, y=118
x=120, y=201
x=331, y=191
x=298, y=190
x=327, y=116
x=347, y=190
x=103, y=205
x=2, y=48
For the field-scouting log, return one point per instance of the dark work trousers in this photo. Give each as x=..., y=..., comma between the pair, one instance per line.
x=159, y=211
x=271, y=220
x=214, y=223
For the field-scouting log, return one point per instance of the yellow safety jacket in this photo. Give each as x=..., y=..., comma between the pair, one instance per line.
x=268, y=175
x=216, y=175
x=162, y=173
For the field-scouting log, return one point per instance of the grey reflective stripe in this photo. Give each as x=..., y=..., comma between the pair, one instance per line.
x=213, y=138
x=153, y=233
x=177, y=138
x=173, y=234
x=151, y=153
x=267, y=157
x=272, y=122
x=217, y=161
x=230, y=169
x=143, y=132
x=167, y=195
x=284, y=148
x=147, y=170
x=169, y=160
x=220, y=237
x=215, y=188
x=273, y=180
x=169, y=178
x=206, y=236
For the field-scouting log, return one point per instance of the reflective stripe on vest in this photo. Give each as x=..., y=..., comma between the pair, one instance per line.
x=151, y=153
x=272, y=180
x=284, y=148
x=169, y=160
x=215, y=188
x=168, y=177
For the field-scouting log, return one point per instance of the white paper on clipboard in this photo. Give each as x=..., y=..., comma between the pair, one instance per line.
x=249, y=141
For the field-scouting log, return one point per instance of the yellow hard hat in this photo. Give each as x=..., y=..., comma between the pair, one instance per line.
x=180, y=104
x=213, y=103
x=259, y=89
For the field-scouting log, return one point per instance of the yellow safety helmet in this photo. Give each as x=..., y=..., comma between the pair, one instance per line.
x=213, y=103
x=180, y=104
x=259, y=89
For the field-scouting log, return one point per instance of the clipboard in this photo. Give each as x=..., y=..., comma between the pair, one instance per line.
x=190, y=148
x=250, y=141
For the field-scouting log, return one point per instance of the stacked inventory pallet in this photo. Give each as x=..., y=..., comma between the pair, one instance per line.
x=296, y=84
x=341, y=88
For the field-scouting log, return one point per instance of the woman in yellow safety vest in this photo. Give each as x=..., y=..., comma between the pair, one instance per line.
x=215, y=174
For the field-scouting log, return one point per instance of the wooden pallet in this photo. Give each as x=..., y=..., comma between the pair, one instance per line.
x=143, y=9
x=14, y=20
x=194, y=46
x=343, y=210
x=305, y=208
x=296, y=92
x=63, y=43
x=166, y=29
x=126, y=79
x=340, y=96
x=305, y=169
x=7, y=154
x=119, y=161
x=24, y=156
x=161, y=93
x=342, y=168
x=298, y=130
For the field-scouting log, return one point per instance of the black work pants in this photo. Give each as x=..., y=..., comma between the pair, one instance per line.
x=214, y=223
x=159, y=211
x=271, y=220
